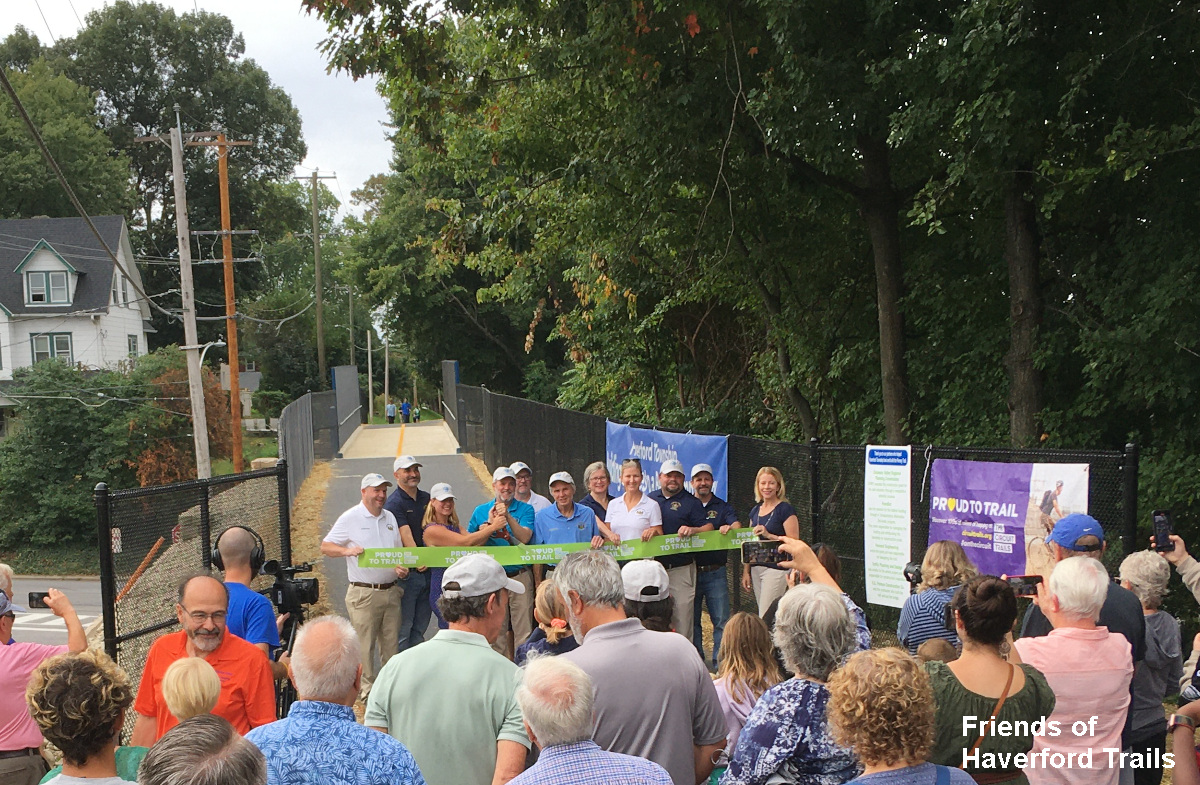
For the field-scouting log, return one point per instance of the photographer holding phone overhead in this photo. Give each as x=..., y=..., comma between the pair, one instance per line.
x=20, y=738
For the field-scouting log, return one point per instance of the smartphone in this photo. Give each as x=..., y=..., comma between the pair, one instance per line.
x=949, y=620
x=1163, y=531
x=37, y=599
x=1024, y=585
x=764, y=553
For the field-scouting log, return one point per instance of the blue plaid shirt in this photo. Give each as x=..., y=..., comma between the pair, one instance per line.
x=320, y=743
x=584, y=763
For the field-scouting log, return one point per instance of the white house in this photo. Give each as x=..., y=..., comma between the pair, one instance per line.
x=62, y=297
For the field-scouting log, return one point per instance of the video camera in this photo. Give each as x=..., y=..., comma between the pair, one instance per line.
x=290, y=594
x=912, y=574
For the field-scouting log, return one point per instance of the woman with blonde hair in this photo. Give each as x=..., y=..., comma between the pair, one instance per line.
x=441, y=528
x=748, y=668
x=553, y=635
x=944, y=568
x=772, y=517
x=596, y=482
x=190, y=688
x=633, y=515
x=881, y=707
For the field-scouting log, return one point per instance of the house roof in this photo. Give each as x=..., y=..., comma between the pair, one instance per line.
x=73, y=241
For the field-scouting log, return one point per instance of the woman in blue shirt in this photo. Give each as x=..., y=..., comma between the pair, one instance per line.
x=772, y=517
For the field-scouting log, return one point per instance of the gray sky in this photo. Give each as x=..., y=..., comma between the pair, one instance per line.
x=343, y=119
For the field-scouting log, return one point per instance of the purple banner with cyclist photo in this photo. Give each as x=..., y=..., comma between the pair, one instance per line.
x=1001, y=512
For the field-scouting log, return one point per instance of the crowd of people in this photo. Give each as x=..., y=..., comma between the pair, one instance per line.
x=590, y=671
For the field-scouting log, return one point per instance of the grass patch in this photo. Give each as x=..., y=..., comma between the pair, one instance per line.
x=253, y=446
x=57, y=559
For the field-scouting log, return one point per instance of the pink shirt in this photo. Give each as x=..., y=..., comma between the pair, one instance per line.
x=1089, y=671
x=17, y=663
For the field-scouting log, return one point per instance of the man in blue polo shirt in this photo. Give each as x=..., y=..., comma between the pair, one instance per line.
x=407, y=504
x=519, y=530
x=682, y=514
x=564, y=521
x=712, y=580
x=250, y=615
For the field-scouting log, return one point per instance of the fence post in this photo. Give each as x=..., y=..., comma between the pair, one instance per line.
x=205, y=529
x=285, y=515
x=814, y=485
x=108, y=585
x=1129, y=497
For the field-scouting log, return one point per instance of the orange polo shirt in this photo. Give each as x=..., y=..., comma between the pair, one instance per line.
x=247, y=685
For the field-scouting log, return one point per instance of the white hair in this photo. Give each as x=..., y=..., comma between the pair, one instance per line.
x=813, y=630
x=556, y=699
x=203, y=750
x=594, y=576
x=1148, y=575
x=1080, y=585
x=6, y=579
x=326, y=673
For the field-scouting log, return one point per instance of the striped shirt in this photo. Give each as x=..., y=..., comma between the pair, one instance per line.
x=923, y=617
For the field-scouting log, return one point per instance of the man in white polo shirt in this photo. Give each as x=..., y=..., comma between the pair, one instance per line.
x=372, y=596
x=525, y=491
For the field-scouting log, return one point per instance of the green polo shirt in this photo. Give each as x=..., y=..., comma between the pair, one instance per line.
x=449, y=701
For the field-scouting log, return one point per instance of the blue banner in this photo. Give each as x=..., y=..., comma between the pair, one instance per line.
x=653, y=447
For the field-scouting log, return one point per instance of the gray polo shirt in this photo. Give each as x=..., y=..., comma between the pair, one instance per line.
x=654, y=696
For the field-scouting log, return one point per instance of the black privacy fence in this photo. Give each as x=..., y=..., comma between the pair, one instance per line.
x=824, y=481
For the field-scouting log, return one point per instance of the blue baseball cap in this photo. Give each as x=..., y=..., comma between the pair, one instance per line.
x=1070, y=529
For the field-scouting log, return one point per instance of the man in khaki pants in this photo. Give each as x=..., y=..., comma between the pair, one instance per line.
x=373, y=596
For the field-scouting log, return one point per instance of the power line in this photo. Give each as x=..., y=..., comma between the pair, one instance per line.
x=62, y=181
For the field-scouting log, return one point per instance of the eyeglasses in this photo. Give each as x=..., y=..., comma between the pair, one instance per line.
x=200, y=616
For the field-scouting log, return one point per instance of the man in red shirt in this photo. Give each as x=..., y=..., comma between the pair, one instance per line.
x=247, y=688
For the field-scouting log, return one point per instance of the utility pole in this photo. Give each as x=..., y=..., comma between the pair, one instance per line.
x=195, y=378
x=316, y=233
x=235, y=394
x=386, y=360
x=370, y=381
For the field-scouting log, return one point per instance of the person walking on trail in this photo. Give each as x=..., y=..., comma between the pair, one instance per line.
x=390, y=412
x=405, y=410
x=515, y=519
x=682, y=514
x=408, y=503
x=373, y=594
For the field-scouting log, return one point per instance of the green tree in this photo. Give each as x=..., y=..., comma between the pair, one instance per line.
x=65, y=115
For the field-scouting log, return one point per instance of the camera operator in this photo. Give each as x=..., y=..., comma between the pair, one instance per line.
x=239, y=553
x=944, y=568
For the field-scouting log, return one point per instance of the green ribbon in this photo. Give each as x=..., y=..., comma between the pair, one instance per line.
x=521, y=555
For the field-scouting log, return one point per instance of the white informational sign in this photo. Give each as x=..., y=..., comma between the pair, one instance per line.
x=887, y=518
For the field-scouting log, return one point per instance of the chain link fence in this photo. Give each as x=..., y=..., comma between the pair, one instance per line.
x=152, y=538
x=824, y=482
x=308, y=432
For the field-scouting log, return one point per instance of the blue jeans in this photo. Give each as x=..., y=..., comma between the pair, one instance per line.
x=712, y=589
x=414, y=609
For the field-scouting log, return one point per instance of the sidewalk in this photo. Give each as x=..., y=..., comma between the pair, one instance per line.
x=441, y=466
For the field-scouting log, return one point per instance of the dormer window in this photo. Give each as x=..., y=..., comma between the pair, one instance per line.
x=48, y=288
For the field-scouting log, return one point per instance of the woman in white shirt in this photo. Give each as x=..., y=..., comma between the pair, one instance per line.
x=633, y=514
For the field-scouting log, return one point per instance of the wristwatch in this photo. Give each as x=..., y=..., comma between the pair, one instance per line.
x=1176, y=720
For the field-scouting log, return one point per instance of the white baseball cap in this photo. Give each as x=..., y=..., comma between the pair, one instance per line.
x=520, y=466
x=503, y=473
x=405, y=462
x=645, y=580
x=441, y=492
x=561, y=477
x=476, y=575
x=701, y=467
x=372, y=481
x=671, y=466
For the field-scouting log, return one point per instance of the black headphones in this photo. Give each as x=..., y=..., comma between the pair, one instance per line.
x=257, y=556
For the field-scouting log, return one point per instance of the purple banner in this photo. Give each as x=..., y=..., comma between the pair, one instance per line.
x=983, y=506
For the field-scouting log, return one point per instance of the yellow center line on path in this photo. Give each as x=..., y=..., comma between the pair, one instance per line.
x=400, y=444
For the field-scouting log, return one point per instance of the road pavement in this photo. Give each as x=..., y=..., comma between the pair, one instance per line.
x=42, y=626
